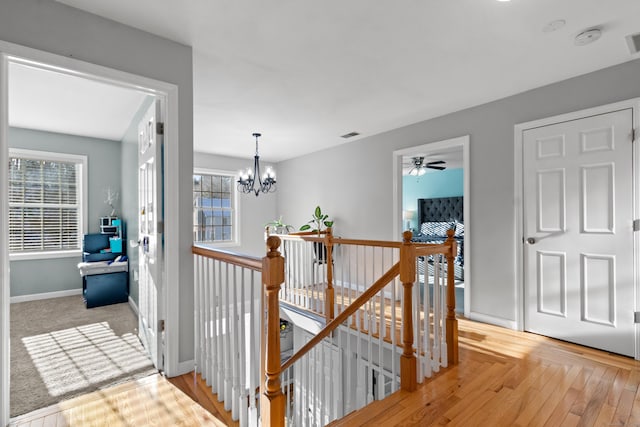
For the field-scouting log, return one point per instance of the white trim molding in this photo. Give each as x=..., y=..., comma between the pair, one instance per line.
x=168, y=94
x=4, y=244
x=133, y=306
x=492, y=320
x=46, y=295
x=519, y=129
x=184, y=368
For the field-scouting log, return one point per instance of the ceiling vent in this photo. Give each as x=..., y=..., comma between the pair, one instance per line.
x=349, y=135
x=633, y=41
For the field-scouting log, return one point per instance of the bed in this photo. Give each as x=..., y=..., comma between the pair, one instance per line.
x=435, y=217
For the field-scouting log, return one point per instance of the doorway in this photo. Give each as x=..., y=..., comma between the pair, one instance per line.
x=164, y=91
x=579, y=249
x=409, y=192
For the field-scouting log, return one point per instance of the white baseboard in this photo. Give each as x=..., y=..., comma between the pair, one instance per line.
x=185, y=367
x=133, y=306
x=492, y=320
x=46, y=295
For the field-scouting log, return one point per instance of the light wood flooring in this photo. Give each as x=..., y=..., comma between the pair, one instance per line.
x=151, y=401
x=509, y=378
x=505, y=378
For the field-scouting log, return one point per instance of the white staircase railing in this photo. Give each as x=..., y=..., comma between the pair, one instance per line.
x=358, y=310
x=227, y=327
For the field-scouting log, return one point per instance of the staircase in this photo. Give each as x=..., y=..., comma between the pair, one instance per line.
x=358, y=310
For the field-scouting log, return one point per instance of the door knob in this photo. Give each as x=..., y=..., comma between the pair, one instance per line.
x=531, y=240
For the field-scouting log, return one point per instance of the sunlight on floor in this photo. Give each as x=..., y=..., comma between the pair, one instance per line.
x=72, y=359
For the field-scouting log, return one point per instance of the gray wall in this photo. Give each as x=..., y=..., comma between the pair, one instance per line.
x=53, y=27
x=103, y=164
x=255, y=212
x=359, y=193
x=129, y=193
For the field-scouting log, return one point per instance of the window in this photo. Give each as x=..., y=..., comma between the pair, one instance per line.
x=46, y=204
x=214, y=207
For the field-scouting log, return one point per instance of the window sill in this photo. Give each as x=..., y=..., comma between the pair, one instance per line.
x=45, y=255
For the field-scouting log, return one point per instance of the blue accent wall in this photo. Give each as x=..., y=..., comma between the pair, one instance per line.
x=446, y=183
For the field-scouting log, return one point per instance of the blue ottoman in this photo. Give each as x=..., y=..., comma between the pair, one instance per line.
x=104, y=284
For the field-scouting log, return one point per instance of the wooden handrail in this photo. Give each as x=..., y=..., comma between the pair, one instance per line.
x=312, y=237
x=272, y=268
x=330, y=298
x=408, y=362
x=432, y=249
x=340, y=318
x=245, y=261
x=272, y=406
x=451, y=321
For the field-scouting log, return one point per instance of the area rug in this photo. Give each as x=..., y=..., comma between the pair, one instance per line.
x=60, y=349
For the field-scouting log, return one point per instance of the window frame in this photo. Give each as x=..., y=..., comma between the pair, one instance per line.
x=81, y=162
x=235, y=203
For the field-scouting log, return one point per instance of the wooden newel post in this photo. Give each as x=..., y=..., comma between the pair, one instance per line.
x=272, y=400
x=451, y=321
x=329, y=302
x=408, y=363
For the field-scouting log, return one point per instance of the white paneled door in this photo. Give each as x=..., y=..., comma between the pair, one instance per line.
x=578, y=231
x=149, y=233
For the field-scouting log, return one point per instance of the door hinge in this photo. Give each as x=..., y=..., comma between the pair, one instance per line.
x=633, y=134
x=160, y=128
x=636, y=317
x=162, y=325
x=636, y=225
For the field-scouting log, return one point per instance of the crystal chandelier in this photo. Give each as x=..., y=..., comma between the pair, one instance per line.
x=247, y=180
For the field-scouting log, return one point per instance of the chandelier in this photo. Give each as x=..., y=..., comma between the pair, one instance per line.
x=247, y=180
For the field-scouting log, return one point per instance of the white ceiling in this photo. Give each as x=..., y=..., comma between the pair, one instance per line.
x=303, y=73
x=57, y=102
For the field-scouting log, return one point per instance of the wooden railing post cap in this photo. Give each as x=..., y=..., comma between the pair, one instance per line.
x=407, y=236
x=273, y=243
x=450, y=233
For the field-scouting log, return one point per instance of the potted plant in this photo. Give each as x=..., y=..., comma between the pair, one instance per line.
x=318, y=221
x=279, y=227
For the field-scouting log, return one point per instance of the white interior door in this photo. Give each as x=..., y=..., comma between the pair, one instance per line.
x=578, y=230
x=150, y=238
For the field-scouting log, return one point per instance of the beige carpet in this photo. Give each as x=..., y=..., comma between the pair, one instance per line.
x=60, y=349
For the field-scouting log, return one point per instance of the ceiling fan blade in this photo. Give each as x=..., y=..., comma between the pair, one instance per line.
x=437, y=162
x=440, y=168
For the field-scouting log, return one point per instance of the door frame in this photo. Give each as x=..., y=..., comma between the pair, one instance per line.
x=461, y=142
x=519, y=129
x=168, y=93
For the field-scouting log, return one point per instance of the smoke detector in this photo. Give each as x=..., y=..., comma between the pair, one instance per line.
x=587, y=36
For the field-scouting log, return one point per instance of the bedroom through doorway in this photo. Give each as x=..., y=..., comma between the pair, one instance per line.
x=62, y=346
x=431, y=192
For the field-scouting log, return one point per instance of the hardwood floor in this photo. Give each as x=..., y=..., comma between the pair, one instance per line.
x=151, y=401
x=201, y=393
x=505, y=378
x=509, y=378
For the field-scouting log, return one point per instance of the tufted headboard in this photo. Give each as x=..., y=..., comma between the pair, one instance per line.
x=443, y=209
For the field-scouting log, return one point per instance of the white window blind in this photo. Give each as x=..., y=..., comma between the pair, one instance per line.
x=45, y=202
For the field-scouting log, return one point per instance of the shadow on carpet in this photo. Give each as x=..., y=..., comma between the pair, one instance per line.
x=60, y=349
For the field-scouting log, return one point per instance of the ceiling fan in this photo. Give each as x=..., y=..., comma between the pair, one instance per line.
x=419, y=166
